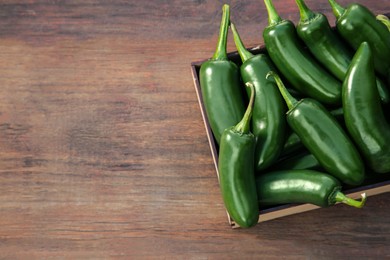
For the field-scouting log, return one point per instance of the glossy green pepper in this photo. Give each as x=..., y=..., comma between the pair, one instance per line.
x=357, y=24
x=301, y=186
x=236, y=170
x=323, y=136
x=295, y=63
x=220, y=85
x=268, y=121
x=327, y=46
x=363, y=112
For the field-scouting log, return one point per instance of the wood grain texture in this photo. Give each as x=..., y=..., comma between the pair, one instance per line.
x=103, y=152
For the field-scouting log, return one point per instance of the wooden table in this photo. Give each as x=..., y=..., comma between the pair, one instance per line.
x=103, y=151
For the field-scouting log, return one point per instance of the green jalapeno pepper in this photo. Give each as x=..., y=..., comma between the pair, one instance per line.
x=357, y=24
x=301, y=186
x=268, y=121
x=323, y=136
x=327, y=47
x=220, y=85
x=236, y=170
x=295, y=63
x=363, y=112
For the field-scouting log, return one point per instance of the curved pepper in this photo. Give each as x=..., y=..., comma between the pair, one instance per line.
x=295, y=63
x=357, y=24
x=220, y=85
x=268, y=121
x=323, y=136
x=302, y=186
x=327, y=47
x=236, y=170
x=363, y=112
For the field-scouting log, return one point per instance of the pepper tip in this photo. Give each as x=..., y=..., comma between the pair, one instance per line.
x=226, y=7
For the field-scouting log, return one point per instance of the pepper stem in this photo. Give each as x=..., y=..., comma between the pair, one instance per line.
x=341, y=197
x=220, y=52
x=384, y=19
x=243, y=126
x=305, y=13
x=337, y=9
x=273, y=16
x=290, y=100
x=244, y=53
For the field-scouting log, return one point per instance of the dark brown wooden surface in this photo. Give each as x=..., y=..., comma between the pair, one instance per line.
x=103, y=152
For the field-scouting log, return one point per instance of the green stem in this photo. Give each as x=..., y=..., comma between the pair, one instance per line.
x=244, y=53
x=290, y=100
x=340, y=197
x=337, y=9
x=220, y=52
x=273, y=16
x=305, y=13
x=384, y=19
x=243, y=126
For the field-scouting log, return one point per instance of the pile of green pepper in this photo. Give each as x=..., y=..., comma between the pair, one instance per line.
x=312, y=118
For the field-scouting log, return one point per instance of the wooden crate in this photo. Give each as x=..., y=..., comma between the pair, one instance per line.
x=371, y=188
